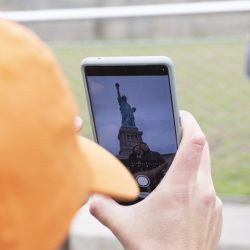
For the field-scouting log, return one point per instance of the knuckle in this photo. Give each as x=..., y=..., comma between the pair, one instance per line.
x=209, y=198
x=198, y=140
x=219, y=204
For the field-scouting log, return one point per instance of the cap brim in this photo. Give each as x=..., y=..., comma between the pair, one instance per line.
x=108, y=175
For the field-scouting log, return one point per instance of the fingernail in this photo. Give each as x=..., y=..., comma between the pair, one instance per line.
x=78, y=122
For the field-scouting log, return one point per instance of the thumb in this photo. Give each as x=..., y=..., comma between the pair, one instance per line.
x=108, y=212
x=186, y=163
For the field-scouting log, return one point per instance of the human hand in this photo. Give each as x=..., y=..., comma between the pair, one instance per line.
x=183, y=212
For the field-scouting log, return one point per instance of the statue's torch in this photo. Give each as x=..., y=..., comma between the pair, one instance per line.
x=117, y=85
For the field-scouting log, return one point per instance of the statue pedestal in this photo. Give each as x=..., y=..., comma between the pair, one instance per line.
x=128, y=137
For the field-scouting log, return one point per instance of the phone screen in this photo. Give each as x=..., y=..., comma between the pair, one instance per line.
x=133, y=117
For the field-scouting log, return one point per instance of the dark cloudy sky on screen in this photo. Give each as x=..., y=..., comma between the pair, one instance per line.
x=151, y=97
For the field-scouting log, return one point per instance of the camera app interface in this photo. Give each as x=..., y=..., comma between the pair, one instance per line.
x=134, y=120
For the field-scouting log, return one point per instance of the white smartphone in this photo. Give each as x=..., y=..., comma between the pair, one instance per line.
x=134, y=113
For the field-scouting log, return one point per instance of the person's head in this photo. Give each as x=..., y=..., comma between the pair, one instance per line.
x=124, y=98
x=137, y=149
x=46, y=171
x=144, y=147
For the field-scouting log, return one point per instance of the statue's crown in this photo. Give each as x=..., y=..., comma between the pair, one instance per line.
x=123, y=97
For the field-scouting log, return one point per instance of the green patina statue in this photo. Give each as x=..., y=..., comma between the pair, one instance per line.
x=127, y=112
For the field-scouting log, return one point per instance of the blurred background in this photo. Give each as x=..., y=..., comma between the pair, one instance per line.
x=209, y=49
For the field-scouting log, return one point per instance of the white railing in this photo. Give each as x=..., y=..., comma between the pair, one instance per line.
x=128, y=11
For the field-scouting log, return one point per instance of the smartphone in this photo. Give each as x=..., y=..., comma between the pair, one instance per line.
x=134, y=113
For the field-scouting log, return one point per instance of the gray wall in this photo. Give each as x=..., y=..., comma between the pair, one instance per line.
x=153, y=27
x=48, y=4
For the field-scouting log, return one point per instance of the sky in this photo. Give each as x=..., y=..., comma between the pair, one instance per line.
x=151, y=97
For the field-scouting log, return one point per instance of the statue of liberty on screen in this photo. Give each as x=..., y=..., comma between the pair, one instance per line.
x=127, y=112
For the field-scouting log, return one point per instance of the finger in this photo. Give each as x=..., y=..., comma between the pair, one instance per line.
x=188, y=157
x=108, y=212
x=78, y=123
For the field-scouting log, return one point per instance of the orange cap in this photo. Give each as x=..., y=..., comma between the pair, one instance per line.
x=46, y=170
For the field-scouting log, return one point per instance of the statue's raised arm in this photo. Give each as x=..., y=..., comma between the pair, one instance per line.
x=117, y=85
